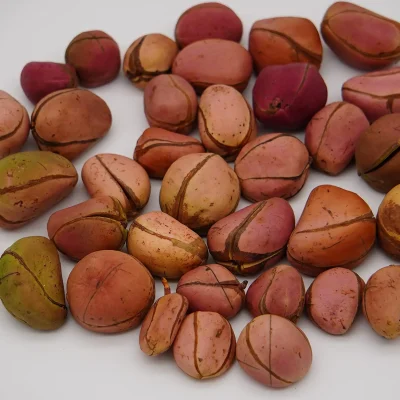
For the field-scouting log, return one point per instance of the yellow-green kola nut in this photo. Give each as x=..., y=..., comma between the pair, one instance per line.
x=31, y=285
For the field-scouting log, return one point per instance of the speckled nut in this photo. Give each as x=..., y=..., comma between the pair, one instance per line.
x=95, y=224
x=376, y=93
x=226, y=121
x=14, y=125
x=284, y=40
x=274, y=351
x=69, y=122
x=212, y=61
x=332, y=134
x=31, y=183
x=165, y=246
x=147, y=57
x=96, y=57
x=360, y=37
x=31, y=285
x=252, y=238
x=331, y=233
x=109, y=291
x=157, y=149
x=199, y=190
x=279, y=291
x=120, y=177
x=205, y=345
x=170, y=102
x=377, y=153
x=272, y=165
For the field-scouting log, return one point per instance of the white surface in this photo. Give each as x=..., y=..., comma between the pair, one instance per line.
x=73, y=363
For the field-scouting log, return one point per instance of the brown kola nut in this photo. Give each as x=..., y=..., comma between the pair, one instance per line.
x=205, y=345
x=331, y=233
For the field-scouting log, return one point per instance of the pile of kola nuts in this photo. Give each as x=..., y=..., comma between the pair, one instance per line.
x=196, y=81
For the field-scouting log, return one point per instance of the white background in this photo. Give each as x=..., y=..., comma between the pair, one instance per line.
x=72, y=363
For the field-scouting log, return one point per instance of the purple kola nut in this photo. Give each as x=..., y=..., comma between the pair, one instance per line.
x=287, y=96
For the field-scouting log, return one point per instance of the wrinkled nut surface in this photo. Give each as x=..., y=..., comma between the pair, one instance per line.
x=332, y=134
x=14, y=125
x=226, y=121
x=274, y=351
x=205, y=345
x=331, y=233
x=69, y=122
x=376, y=93
x=147, y=57
x=170, y=102
x=96, y=57
x=284, y=40
x=360, y=37
x=120, y=177
x=38, y=79
x=279, y=291
x=199, y=190
x=162, y=322
x=109, y=291
x=212, y=288
x=214, y=61
x=165, y=246
x=157, y=149
x=334, y=299
x=208, y=21
x=32, y=182
x=252, y=238
x=287, y=96
x=96, y=224
x=31, y=285
x=377, y=153
x=272, y=165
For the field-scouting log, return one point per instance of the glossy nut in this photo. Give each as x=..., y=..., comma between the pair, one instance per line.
x=284, y=40
x=205, y=345
x=252, y=238
x=38, y=79
x=273, y=165
x=14, y=125
x=331, y=233
x=279, y=291
x=360, y=37
x=109, y=291
x=332, y=134
x=170, y=103
x=274, y=351
x=226, y=121
x=31, y=183
x=149, y=56
x=120, y=177
x=69, y=122
x=96, y=224
x=31, y=285
x=164, y=245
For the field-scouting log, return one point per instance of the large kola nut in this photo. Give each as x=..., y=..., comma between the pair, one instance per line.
x=226, y=121
x=360, y=37
x=14, y=125
x=120, y=177
x=331, y=233
x=376, y=93
x=332, y=134
x=96, y=224
x=252, y=238
x=284, y=40
x=31, y=183
x=70, y=121
x=31, y=285
x=164, y=245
